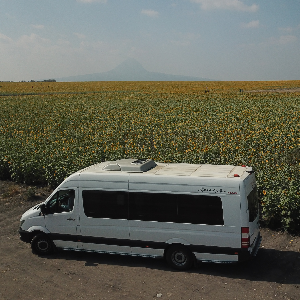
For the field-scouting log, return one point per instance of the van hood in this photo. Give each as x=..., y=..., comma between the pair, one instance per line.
x=32, y=212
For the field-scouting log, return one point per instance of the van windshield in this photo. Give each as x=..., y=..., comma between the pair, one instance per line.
x=253, y=204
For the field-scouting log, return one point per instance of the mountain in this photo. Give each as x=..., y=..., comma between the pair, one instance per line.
x=130, y=70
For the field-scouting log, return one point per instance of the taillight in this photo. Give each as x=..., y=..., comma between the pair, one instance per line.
x=245, y=237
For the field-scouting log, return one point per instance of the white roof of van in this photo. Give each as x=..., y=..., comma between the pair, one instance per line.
x=149, y=167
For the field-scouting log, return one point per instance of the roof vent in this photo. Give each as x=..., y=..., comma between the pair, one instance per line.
x=112, y=167
x=130, y=165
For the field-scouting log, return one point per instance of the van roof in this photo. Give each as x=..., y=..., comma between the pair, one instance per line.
x=148, y=166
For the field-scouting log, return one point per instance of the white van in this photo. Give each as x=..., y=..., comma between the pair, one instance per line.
x=180, y=212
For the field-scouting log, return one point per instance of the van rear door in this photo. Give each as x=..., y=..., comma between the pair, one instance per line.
x=253, y=211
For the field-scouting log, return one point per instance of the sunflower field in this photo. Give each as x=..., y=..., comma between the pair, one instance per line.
x=50, y=130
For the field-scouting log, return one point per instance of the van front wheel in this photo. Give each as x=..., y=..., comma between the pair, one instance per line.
x=180, y=257
x=42, y=245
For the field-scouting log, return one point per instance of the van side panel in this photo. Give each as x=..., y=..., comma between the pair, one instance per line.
x=199, y=238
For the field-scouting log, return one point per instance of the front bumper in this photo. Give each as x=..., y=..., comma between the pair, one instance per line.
x=25, y=236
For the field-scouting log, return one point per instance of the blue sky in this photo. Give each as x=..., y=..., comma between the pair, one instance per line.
x=216, y=39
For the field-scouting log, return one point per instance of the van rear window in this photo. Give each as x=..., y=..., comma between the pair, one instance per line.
x=253, y=204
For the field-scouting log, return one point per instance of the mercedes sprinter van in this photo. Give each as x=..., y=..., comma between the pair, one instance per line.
x=177, y=211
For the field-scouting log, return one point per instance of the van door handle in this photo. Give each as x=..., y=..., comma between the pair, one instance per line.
x=70, y=219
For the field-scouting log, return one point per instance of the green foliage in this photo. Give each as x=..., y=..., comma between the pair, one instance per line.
x=44, y=138
x=31, y=192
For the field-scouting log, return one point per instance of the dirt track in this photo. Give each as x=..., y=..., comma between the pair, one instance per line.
x=273, y=274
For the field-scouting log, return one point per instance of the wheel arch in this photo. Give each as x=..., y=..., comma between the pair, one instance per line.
x=35, y=230
x=175, y=242
x=178, y=244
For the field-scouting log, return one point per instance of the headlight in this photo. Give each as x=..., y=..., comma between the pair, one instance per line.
x=21, y=223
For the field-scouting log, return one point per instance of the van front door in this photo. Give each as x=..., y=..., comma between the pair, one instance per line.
x=62, y=218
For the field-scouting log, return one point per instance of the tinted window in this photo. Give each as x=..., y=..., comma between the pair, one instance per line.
x=104, y=204
x=198, y=209
x=153, y=207
x=178, y=208
x=253, y=204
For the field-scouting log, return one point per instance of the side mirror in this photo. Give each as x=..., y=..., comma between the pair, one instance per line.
x=44, y=209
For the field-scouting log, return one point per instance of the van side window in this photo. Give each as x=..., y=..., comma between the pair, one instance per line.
x=153, y=207
x=200, y=209
x=62, y=201
x=177, y=208
x=105, y=204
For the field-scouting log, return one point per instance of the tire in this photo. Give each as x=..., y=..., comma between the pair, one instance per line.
x=180, y=257
x=42, y=245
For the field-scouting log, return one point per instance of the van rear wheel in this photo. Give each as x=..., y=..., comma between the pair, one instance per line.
x=42, y=245
x=180, y=257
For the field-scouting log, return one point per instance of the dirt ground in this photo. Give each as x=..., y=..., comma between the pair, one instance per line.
x=273, y=274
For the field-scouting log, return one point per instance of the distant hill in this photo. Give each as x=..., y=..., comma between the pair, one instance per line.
x=130, y=70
